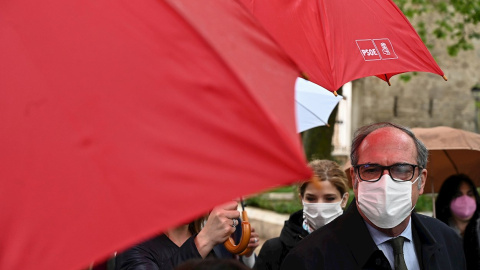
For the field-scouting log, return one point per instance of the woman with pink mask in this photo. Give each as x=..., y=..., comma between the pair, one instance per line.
x=458, y=206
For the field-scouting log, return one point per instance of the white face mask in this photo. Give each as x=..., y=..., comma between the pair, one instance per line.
x=386, y=203
x=320, y=214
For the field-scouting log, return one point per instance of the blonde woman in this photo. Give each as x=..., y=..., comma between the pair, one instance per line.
x=323, y=198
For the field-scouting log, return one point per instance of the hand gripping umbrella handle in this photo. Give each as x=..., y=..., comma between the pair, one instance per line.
x=241, y=248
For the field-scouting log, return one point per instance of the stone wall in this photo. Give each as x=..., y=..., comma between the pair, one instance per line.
x=426, y=100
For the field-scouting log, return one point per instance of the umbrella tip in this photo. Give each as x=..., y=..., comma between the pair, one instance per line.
x=315, y=180
x=387, y=80
x=445, y=78
x=335, y=93
x=305, y=76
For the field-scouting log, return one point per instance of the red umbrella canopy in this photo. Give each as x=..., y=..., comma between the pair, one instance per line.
x=335, y=42
x=121, y=119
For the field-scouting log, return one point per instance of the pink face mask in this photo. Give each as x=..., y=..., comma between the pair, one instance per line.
x=463, y=206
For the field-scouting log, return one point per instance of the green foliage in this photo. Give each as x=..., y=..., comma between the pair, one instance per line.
x=424, y=203
x=278, y=206
x=457, y=17
x=407, y=76
x=317, y=142
x=292, y=188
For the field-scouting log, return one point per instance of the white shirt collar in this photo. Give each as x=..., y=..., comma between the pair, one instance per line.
x=380, y=237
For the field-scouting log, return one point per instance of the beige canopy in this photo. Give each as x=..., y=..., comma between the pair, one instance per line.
x=451, y=151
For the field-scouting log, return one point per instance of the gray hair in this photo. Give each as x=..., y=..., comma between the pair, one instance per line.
x=361, y=133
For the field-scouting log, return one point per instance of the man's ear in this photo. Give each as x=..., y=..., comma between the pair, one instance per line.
x=423, y=176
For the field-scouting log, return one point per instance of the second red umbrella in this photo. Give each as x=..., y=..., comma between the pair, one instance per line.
x=335, y=42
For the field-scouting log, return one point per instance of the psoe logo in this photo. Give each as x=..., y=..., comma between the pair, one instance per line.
x=387, y=51
x=376, y=49
x=385, y=48
x=368, y=50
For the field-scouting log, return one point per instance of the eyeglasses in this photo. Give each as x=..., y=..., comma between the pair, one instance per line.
x=398, y=172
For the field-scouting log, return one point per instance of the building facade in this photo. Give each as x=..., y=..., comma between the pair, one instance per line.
x=424, y=101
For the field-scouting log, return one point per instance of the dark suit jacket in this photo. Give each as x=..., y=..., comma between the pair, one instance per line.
x=345, y=243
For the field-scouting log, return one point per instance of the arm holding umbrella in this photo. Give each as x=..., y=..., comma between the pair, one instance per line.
x=247, y=240
x=221, y=223
x=182, y=243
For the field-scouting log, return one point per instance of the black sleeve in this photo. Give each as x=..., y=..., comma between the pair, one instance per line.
x=152, y=255
x=269, y=256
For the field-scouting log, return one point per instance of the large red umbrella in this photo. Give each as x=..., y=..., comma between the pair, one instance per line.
x=121, y=119
x=335, y=42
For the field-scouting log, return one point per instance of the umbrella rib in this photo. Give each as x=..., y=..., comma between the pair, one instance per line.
x=387, y=80
x=312, y=113
x=451, y=161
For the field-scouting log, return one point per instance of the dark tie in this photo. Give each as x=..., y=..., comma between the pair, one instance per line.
x=397, y=244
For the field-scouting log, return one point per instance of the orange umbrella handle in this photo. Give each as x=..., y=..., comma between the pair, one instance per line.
x=241, y=248
x=246, y=251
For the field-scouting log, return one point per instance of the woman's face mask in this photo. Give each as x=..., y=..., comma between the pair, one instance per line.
x=463, y=207
x=317, y=215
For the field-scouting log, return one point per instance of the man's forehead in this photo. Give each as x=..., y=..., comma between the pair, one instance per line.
x=388, y=134
x=388, y=141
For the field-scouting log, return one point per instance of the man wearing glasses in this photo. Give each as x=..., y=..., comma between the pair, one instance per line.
x=379, y=230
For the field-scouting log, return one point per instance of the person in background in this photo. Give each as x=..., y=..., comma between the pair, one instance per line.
x=186, y=242
x=379, y=229
x=323, y=199
x=458, y=206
